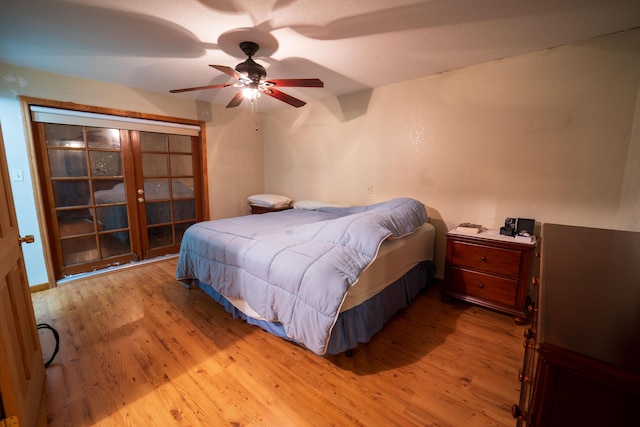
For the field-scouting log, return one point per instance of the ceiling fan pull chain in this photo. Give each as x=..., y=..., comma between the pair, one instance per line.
x=254, y=109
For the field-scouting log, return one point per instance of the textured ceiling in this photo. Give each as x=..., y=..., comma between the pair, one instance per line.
x=352, y=45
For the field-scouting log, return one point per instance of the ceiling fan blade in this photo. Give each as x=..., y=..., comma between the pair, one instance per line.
x=229, y=71
x=199, y=88
x=297, y=82
x=236, y=100
x=284, y=97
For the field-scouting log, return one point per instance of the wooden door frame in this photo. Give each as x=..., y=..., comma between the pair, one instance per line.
x=26, y=102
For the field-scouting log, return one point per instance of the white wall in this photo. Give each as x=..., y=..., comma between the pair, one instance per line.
x=548, y=136
x=553, y=136
x=234, y=148
x=235, y=162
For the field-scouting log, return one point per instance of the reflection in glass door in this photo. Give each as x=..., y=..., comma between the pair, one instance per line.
x=87, y=178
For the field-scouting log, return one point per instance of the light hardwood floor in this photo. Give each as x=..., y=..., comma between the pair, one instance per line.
x=139, y=349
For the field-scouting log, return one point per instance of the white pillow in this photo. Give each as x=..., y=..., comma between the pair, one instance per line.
x=269, y=200
x=315, y=204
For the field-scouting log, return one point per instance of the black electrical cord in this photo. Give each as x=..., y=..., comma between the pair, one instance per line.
x=56, y=336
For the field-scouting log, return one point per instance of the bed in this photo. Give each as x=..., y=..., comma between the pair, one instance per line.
x=327, y=278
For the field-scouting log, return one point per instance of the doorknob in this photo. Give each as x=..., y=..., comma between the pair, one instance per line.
x=140, y=200
x=26, y=239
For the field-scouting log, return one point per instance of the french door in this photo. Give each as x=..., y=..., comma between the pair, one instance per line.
x=115, y=196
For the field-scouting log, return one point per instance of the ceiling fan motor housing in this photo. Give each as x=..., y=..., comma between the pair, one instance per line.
x=252, y=70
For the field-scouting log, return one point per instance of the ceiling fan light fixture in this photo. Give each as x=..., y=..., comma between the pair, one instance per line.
x=250, y=93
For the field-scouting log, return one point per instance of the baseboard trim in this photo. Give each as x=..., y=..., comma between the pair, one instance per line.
x=38, y=288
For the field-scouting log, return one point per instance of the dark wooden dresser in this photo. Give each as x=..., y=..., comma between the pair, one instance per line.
x=489, y=270
x=582, y=352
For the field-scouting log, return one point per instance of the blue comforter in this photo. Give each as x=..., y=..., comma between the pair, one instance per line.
x=295, y=267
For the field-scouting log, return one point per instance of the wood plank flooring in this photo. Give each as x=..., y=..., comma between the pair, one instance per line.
x=139, y=349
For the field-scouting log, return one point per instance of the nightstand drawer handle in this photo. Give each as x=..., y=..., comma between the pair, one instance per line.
x=483, y=258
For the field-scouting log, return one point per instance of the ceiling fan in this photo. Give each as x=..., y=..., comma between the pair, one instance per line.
x=252, y=80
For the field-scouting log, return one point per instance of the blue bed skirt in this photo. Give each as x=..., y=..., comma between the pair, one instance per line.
x=359, y=323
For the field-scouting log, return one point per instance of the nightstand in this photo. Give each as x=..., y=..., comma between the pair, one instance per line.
x=489, y=270
x=262, y=209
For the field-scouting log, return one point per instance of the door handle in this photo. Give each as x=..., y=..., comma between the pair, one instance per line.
x=26, y=239
x=140, y=200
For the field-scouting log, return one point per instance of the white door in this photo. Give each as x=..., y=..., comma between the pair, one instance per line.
x=21, y=362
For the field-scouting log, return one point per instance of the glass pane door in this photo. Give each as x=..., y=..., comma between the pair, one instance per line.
x=166, y=189
x=86, y=176
x=114, y=196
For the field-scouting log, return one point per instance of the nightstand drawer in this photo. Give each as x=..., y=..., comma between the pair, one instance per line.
x=484, y=286
x=505, y=262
